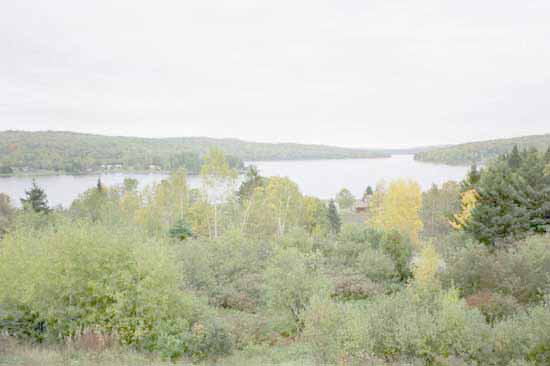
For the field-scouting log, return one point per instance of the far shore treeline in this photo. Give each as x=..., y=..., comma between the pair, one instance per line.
x=76, y=153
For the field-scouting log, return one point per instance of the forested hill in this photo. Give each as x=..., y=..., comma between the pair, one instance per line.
x=71, y=152
x=482, y=151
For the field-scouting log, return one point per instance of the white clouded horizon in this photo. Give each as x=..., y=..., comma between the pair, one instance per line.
x=384, y=73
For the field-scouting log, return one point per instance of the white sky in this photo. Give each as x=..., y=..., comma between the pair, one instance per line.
x=382, y=73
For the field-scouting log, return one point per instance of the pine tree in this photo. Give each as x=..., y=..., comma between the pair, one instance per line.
x=472, y=179
x=36, y=199
x=181, y=230
x=334, y=217
x=368, y=192
x=547, y=156
x=253, y=180
x=514, y=160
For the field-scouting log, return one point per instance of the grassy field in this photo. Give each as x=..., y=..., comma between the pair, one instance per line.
x=13, y=353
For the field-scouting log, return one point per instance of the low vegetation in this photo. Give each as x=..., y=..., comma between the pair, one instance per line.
x=261, y=274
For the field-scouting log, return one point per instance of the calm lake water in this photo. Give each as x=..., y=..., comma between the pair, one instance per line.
x=320, y=178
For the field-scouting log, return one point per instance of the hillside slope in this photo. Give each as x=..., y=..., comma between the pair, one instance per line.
x=481, y=151
x=79, y=153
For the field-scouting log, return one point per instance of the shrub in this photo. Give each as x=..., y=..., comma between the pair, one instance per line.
x=493, y=306
x=228, y=270
x=291, y=280
x=64, y=279
x=524, y=337
x=376, y=265
x=324, y=330
x=522, y=271
x=400, y=327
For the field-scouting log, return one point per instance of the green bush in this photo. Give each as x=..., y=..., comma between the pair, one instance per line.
x=522, y=271
x=354, y=240
x=525, y=337
x=377, y=266
x=400, y=327
x=228, y=269
x=291, y=279
x=76, y=275
x=324, y=330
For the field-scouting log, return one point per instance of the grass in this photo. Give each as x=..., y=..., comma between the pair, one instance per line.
x=14, y=353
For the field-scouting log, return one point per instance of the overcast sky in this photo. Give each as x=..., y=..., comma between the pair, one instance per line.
x=383, y=73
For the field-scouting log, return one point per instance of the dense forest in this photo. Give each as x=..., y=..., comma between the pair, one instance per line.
x=259, y=274
x=68, y=152
x=482, y=151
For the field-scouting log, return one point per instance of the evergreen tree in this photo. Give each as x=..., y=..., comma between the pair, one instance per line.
x=472, y=179
x=36, y=199
x=99, y=185
x=547, y=156
x=368, y=192
x=181, y=230
x=513, y=199
x=514, y=160
x=334, y=218
x=253, y=180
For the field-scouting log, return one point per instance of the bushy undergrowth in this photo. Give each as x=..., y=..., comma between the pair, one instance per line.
x=75, y=275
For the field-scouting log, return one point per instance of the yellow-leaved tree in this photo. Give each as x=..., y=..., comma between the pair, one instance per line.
x=468, y=201
x=219, y=181
x=400, y=209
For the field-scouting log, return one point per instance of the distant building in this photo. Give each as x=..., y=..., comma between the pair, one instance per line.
x=362, y=206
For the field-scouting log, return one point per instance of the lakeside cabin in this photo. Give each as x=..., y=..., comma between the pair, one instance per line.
x=362, y=206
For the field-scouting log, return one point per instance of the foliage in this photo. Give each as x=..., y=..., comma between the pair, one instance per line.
x=218, y=181
x=78, y=275
x=438, y=204
x=521, y=272
x=334, y=218
x=181, y=230
x=400, y=209
x=345, y=199
x=368, y=192
x=483, y=151
x=253, y=180
x=512, y=200
x=292, y=279
x=7, y=212
x=81, y=153
x=35, y=199
x=468, y=201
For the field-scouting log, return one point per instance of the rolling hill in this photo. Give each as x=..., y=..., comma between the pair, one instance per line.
x=70, y=152
x=481, y=151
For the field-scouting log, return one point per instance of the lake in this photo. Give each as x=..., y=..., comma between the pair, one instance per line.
x=319, y=178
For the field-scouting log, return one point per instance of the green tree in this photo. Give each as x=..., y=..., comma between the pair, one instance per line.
x=6, y=213
x=514, y=160
x=368, y=192
x=252, y=181
x=291, y=281
x=99, y=185
x=438, y=206
x=512, y=200
x=334, y=218
x=35, y=199
x=471, y=180
x=547, y=156
x=181, y=230
x=345, y=198
x=315, y=218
